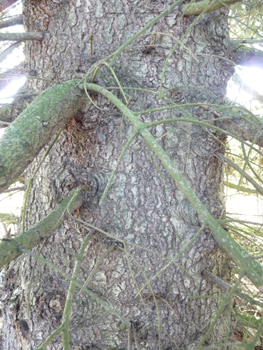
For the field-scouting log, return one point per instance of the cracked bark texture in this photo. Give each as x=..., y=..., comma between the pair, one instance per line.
x=143, y=205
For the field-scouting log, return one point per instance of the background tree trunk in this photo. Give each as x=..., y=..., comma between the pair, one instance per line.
x=143, y=206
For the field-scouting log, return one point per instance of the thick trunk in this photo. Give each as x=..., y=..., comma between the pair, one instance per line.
x=144, y=207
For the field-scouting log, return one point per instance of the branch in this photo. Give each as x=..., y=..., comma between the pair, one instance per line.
x=195, y=9
x=248, y=321
x=240, y=170
x=21, y=36
x=251, y=267
x=12, y=21
x=34, y=127
x=19, y=188
x=226, y=285
x=248, y=41
x=43, y=229
x=236, y=187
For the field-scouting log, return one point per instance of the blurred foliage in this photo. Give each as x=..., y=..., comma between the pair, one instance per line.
x=9, y=218
x=246, y=20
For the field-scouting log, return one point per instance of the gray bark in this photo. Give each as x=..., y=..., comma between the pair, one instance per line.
x=144, y=206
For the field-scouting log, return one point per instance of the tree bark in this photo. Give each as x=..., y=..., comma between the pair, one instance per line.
x=144, y=208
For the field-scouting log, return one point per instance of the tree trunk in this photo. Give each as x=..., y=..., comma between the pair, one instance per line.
x=144, y=207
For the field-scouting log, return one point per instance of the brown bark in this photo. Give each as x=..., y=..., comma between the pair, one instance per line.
x=144, y=207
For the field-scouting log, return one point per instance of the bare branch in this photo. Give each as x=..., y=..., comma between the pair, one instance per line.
x=12, y=21
x=20, y=188
x=226, y=285
x=252, y=268
x=21, y=36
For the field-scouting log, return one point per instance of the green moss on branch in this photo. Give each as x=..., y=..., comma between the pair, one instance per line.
x=42, y=230
x=251, y=267
x=34, y=127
